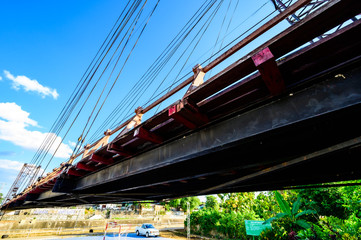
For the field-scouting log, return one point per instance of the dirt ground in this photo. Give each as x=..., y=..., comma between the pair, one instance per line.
x=178, y=234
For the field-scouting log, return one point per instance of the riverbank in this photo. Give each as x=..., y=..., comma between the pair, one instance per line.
x=178, y=234
x=25, y=225
x=108, y=228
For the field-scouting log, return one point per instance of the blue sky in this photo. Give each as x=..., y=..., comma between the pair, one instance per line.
x=46, y=46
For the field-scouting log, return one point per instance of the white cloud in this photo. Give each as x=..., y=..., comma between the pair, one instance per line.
x=72, y=144
x=30, y=85
x=11, y=165
x=13, y=124
x=13, y=113
x=1, y=78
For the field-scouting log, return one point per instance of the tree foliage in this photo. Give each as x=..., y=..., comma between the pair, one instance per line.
x=265, y=205
x=210, y=222
x=194, y=202
x=340, y=202
x=291, y=214
x=212, y=202
x=181, y=203
x=237, y=201
x=175, y=203
x=313, y=214
x=326, y=201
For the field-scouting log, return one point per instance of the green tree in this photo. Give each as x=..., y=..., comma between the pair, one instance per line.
x=265, y=205
x=238, y=202
x=194, y=202
x=351, y=199
x=175, y=203
x=326, y=201
x=145, y=205
x=293, y=215
x=340, y=202
x=212, y=202
x=181, y=203
x=166, y=205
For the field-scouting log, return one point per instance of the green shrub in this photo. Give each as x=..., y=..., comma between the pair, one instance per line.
x=230, y=225
x=278, y=231
x=329, y=228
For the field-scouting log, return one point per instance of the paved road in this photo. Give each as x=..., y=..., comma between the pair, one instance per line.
x=111, y=236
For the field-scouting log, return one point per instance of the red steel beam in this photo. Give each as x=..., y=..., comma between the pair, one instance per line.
x=114, y=148
x=86, y=167
x=99, y=159
x=187, y=114
x=175, y=114
x=74, y=172
x=270, y=73
x=144, y=134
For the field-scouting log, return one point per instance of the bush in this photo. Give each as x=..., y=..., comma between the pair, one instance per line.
x=212, y=202
x=162, y=212
x=329, y=228
x=278, y=231
x=210, y=222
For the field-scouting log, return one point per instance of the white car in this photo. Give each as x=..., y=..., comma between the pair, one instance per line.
x=147, y=229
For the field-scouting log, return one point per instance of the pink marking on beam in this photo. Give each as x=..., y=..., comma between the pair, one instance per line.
x=172, y=110
x=269, y=71
x=262, y=56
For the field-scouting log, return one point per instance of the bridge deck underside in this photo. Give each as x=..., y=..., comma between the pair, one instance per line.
x=315, y=119
x=251, y=140
x=311, y=137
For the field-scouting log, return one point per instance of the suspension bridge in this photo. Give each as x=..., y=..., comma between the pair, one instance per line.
x=285, y=115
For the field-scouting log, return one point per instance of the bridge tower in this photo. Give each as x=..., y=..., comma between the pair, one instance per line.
x=27, y=172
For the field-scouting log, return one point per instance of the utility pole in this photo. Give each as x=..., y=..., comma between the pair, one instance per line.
x=188, y=221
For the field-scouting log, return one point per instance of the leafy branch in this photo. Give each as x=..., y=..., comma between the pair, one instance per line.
x=292, y=214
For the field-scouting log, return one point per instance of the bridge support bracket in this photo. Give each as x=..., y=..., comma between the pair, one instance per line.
x=198, y=78
x=83, y=166
x=101, y=160
x=271, y=75
x=114, y=148
x=74, y=172
x=144, y=134
x=188, y=114
x=88, y=149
